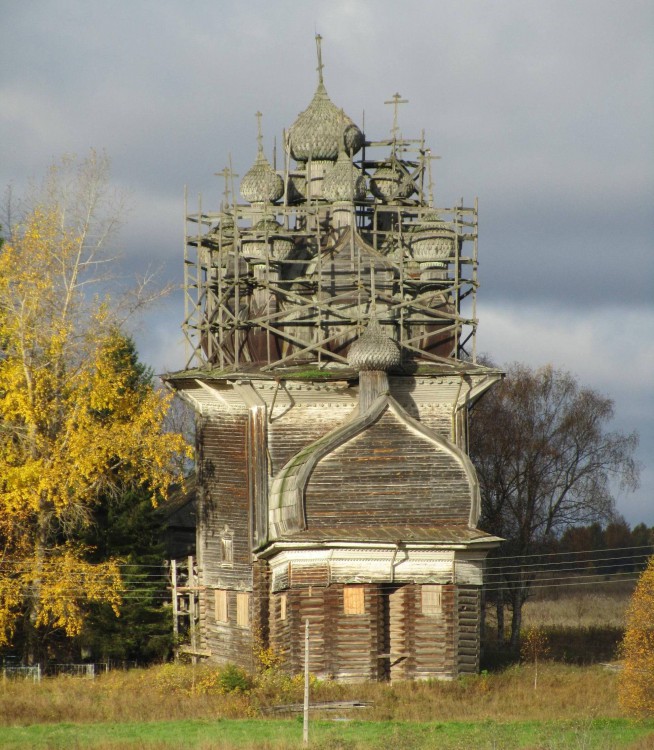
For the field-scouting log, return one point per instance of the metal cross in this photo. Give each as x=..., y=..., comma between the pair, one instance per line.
x=226, y=174
x=320, y=65
x=396, y=101
x=429, y=157
x=258, y=115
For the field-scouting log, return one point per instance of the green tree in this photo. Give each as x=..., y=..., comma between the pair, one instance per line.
x=546, y=460
x=127, y=526
x=131, y=529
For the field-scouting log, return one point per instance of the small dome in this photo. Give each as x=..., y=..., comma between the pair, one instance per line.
x=432, y=239
x=225, y=227
x=265, y=241
x=374, y=350
x=391, y=181
x=261, y=184
x=343, y=182
x=316, y=133
x=297, y=188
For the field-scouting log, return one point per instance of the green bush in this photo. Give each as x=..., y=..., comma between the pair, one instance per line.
x=233, y=679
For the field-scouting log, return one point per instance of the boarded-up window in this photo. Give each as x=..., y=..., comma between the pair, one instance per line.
x=282, y=606
x=243, y=609
x=432, y=599
x=226, y=550
x=354, y=600
x=220, y=603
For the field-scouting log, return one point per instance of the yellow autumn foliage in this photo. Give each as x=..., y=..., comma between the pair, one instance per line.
x=73, y=426
x=637, y=677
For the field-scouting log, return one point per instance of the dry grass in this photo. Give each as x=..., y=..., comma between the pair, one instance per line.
x=176, y=692
x=583, y=610
x=564, y=692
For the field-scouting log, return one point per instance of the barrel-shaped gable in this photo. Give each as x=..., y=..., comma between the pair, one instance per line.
x=382, y=467
x=389, y=474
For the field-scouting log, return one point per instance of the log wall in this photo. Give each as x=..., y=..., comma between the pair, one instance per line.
x=390, y=639
x=469, y=628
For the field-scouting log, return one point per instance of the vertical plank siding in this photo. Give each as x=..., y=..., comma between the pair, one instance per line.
x=301, y=426
x=224, y=502
x=387, y=475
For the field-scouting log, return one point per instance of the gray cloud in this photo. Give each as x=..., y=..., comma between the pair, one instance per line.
x=543, y=110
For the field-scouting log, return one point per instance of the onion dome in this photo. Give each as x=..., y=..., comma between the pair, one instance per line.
x=261, y=184
x=317, y=132
x=391, y=181
x=265, y=241
x=374, y=350
x=224, y=229
x=297, y=188
x=343, y=182
x=221, y=239
x=432, y=239
x=226, y=225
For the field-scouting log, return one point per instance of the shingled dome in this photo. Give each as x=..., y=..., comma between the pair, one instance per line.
x=316, y=133
x=261, y=184
x=344, y=182
x=374, y=350
x=391, y=181
x=432, y=239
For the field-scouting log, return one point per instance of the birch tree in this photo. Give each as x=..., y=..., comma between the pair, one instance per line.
x=72, y=426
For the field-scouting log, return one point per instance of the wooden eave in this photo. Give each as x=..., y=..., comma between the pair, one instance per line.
x=321, y=372
x=383, y=538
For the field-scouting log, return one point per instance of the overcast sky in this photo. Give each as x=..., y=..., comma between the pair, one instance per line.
x=544, y=109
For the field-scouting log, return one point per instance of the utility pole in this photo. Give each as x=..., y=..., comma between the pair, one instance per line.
x=305, y=730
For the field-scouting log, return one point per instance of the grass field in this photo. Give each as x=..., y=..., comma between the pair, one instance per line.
x=607, y=734
x=181, y=707
x=177, y=706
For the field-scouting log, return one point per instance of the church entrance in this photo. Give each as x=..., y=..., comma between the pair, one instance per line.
x=392, y=642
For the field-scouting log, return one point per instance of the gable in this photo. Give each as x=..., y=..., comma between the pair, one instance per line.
x=381, y=464
x=389, y=474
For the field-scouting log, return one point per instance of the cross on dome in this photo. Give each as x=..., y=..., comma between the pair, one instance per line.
x=319, y=51
x=396, y=100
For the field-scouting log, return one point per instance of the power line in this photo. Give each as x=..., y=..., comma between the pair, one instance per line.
x=535, y=570
x=580, y=552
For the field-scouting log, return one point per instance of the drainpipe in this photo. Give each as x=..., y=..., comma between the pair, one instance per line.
x=395, y=551
x=454, y=409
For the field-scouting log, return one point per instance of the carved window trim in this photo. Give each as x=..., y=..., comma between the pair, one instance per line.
x=227, y=547
x=283, y=606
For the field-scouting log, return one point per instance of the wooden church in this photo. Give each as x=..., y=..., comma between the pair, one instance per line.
x=331, y=317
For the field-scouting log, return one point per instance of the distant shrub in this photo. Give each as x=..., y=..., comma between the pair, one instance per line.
x=534, y=648
x=567, y=644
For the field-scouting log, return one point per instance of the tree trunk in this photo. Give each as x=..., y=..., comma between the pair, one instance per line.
x=516, y=621
x=500, y=618
x=32, y=650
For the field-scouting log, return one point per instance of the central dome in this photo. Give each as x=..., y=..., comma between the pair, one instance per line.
x=374, y=350
x=316, y=133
